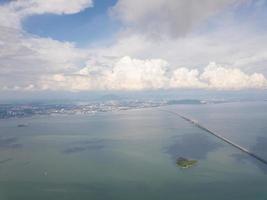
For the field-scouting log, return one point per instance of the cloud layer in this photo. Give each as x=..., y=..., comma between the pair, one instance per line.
x=133, y=62
x=134, y=74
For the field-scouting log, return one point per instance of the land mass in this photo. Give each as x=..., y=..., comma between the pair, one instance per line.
x=31, y=109
x=185, y=163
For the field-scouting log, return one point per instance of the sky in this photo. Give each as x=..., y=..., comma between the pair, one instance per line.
x=132, y=45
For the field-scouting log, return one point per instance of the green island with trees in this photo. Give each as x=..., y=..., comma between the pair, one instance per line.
x=185, y=163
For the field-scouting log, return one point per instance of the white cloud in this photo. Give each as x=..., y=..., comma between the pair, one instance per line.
x=54, y=53
x=24, y=57
x=186, y=78
x=219, y=77
x=8, y=18
x=65, y=82
x=136, y=74
x=167, y=17
x=125, y=74
x=12, y=13
x=226, y=46
x=31, y=7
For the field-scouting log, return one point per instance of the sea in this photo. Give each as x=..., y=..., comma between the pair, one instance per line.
x=131, y=154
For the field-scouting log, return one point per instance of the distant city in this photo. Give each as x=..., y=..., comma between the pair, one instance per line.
x=30, y=109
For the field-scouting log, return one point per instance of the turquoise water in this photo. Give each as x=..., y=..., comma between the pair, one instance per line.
x=131, y=155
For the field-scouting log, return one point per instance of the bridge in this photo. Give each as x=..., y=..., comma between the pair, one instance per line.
x=197, y=124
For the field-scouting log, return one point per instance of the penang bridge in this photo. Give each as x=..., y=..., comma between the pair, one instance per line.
x=197, y=124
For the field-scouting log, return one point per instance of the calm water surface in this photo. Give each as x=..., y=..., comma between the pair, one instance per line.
x=131, y=155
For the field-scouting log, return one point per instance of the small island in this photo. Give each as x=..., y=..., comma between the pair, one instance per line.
x=22, y=125
x=185, y=163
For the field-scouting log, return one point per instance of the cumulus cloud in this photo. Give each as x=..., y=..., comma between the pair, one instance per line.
x=219, y=77
x=167, y=17
x=135, y=74
x=125, y=74
x=186, y=78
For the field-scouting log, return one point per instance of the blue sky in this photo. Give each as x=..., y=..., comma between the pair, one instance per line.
x=132, y=45
x=83, y=28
